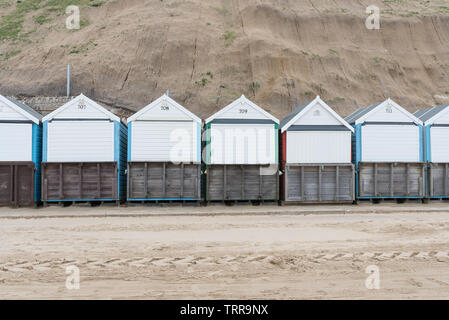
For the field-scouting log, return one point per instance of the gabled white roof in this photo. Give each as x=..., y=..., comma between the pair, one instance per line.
x=384, y=104
x=242, y=100
x=303, y=110
x=160, y=101
x=22, y=109
x=81, y=98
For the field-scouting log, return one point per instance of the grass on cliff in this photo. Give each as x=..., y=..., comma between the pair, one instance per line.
x=11, y=25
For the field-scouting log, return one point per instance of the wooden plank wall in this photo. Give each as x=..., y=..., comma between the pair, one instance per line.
x=164, y=180
x=387, y=180
x=317, y=183
x=16, y=183
x=79, y=181
x=438, y=180
x=241, y=182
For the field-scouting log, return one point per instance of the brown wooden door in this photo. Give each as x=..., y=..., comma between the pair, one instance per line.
x=79, y=181
x=6, y=182
x=16, y=184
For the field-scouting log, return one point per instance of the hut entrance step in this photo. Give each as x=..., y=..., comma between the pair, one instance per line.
x=164, y=203
x=17, y=184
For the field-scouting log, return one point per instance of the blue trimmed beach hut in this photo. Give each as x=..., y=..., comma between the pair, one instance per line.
x=388, y=152
x=20, y=153
x=436, y=154
x=83, y=154
x=164, y=153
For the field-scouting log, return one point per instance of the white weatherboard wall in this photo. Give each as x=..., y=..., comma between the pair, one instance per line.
x=439, y=137
x=386, y=143
x=80, y=141
x=243, y=143
x=15, y=141
x=318, y=146
x=439, y=144
x=163, y=141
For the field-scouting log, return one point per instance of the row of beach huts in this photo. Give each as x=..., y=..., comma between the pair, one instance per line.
x=82, y=152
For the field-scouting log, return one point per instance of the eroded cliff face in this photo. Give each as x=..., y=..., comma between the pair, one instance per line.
x=279, y=53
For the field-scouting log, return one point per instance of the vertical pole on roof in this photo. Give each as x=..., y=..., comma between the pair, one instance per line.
x=167, y=93
x=68, y=80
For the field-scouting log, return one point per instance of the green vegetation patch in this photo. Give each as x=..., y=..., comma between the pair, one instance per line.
x=11, y=25
x=4, y=4
x=61, y=5
x=41, y=19
x=10, y=54
x=254, y=86
x=229, y=37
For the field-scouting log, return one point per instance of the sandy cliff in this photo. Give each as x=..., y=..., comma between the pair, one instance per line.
x=207, y=53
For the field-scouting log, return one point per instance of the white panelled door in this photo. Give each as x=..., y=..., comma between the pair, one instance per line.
x=80, y=141
x=439, y=144
x=15, y=141
x=173, y=141
x=318, y=147
x=243, y=144
x=390, y=143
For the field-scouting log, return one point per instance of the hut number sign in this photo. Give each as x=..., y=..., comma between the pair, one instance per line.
x=165, y=108
x=243, y=109
x=82, y=105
